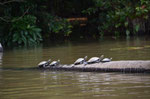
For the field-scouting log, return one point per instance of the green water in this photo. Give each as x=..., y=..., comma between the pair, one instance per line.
x=36, y=84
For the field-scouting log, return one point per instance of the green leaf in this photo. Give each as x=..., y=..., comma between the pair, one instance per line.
x=117, y=25
x=126, y=24
x=34, y=36
x=24, y=40
x=137, y=27
x=31, y=40
x=127, y=32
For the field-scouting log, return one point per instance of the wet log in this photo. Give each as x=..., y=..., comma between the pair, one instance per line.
x=137, y=66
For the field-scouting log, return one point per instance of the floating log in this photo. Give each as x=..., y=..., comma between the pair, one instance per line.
x=138, y=66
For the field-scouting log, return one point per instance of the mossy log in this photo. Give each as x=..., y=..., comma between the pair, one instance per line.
x=113, y=66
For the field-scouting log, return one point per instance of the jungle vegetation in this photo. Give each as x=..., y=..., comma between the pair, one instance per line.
x=29, y=22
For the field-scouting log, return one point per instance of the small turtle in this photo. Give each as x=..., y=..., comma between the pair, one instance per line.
x=1, y=48
x=95, y=59
x=106, y=59
x=80, y=61
x=55, y=63
x=44, y=64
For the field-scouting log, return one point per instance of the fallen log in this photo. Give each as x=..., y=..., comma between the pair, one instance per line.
x=137, y=66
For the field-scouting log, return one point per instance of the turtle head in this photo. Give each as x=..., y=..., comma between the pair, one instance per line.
x=1, y=48
x=49, y=60
x=101, y=57
x=111, y=58
x=0, y=45
x=85, y=57
x=58, y=60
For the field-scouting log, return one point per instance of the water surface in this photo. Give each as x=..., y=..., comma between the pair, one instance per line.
x=34, y=84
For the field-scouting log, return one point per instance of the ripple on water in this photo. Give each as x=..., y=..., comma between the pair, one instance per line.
x=34, y=84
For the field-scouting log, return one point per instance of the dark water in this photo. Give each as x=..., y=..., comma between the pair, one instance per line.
x=35, y=84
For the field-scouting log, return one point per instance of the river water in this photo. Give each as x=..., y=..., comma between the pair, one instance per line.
x=18, y=81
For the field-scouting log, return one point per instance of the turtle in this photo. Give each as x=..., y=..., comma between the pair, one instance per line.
x=95, y=59
x=1, y=48
x=106, y=60
x=80, y=61
x=55, y=63
x=44, y=64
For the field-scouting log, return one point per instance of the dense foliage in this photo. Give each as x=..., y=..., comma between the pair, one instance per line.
x=54, y=25
x=120, y=16
x=22, y=31
x=28, y=22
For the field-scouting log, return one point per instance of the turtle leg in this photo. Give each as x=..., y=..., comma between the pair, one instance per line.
x=44, y=66
x=85, y=63
x=98, y=61
x=81, y=62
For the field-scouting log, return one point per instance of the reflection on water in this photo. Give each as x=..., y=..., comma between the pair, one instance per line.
x=62, y=85
x=33, y=84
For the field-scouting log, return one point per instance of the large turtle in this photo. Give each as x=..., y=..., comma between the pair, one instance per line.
x=95, y=59
x=80, y=61
x=55, y=63
x=44, y=64
x=106, y=60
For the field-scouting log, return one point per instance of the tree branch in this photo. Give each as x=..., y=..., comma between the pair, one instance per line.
x=3, y=19
x=6, y=2
x=22, y=14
